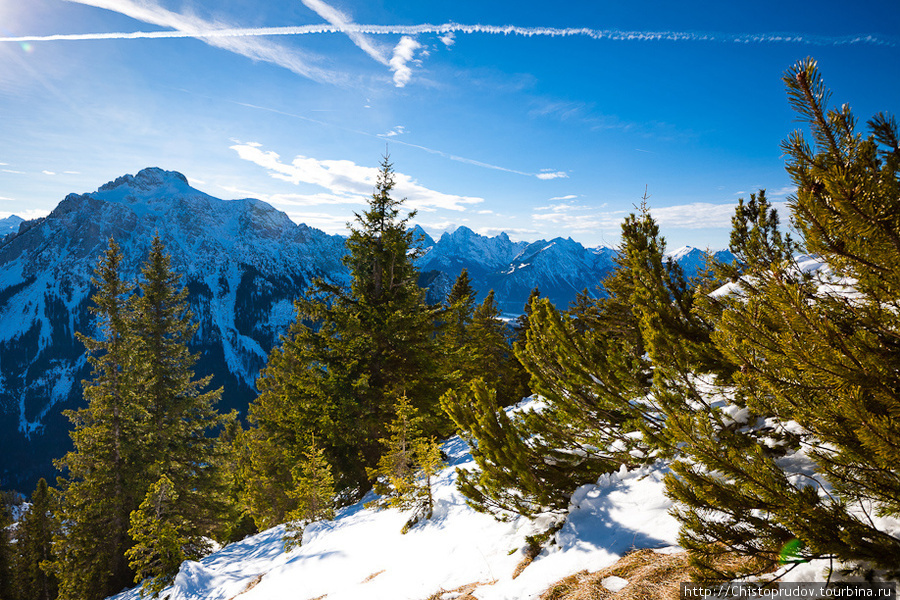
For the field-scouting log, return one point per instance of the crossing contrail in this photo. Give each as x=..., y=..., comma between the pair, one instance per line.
x=507, y=30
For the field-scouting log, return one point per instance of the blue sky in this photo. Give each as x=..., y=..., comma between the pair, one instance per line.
x=554, y=127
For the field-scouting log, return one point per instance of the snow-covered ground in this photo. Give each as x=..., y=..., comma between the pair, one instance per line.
x=362, y=555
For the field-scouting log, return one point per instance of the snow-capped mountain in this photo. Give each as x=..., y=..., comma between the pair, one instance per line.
x=243, y=262
x=559, y=268
x=693, y=260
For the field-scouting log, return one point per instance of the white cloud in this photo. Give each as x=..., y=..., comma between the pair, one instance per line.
x=398, y=130
x=448, y=39
x=196, y=27
x=326, y=222
x=46, y=172
x=513, y=232
x=403, y=53
x=287, y=200
x=552, y=175
x=782, y=192
x=345, y=179
x=12, y=171
x=342, y=20
x=569, y=197
x=449, y=28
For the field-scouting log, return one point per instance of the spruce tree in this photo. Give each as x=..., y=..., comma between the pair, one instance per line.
x=403, y=475
x=347, y=356
x=313, y=493
x=33, y=547
x=104, y=479
x=177, y=443
x=160, y=545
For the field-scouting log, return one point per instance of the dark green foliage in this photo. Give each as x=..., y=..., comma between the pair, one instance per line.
x=146, y=421
x=7, y=550
x=345, y=359
x=104, y=476
x=34, y=536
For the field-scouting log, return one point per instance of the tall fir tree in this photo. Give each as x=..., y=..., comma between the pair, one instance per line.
x=104, y=478
x=348, y=355
x=34, y=547
x=146, y=418
x=178, y=446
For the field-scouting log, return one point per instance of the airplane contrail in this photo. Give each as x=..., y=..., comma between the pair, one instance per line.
x=599, y=34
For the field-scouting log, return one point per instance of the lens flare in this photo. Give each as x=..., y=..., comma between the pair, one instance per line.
x=790, y=552
x=27, y=47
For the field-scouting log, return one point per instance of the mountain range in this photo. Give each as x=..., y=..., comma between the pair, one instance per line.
x=243, y=262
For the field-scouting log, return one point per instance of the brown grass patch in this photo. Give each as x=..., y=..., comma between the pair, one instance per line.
x=465, y=591
x=250, y=585
x=373, y=576
x=650, y=575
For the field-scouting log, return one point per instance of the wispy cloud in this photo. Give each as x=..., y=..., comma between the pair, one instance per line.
x=343, y=21
x=243, y=42
x=345, y=179
x=549, y=174
x=398, y=130
x=212, y=32
x=701, y=215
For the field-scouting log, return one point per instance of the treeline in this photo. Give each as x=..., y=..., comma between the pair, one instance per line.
x=772, y=391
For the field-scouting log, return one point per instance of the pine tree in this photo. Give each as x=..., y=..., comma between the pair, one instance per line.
x=820, y=350
x=348, y=355
x=33, y=547
x=313, y=494
x=160, y=546
x=455, y=338
x=104, y=472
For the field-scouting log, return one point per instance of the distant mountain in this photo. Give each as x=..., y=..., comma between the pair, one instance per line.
x=559, y=268
x=243, y=263
x=10, y=224
x=693, y=260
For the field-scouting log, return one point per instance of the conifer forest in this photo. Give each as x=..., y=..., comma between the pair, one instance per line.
x=792, y=350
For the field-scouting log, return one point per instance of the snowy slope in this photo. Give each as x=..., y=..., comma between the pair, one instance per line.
x=362, y=555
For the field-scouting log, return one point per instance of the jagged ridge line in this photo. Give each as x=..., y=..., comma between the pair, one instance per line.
x=599, y=34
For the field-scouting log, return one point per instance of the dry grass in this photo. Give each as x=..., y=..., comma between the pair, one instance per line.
x=650, y=575
x=465, y=591
x=373, y=576
x=252, y=584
